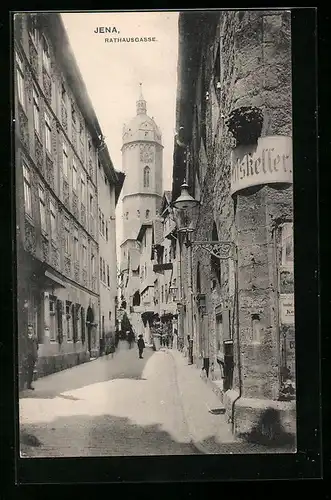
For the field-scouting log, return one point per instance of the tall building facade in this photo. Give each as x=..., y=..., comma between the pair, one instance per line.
x=57, y=144
x=165, y=260
x=142, y=154
x=109, y=187
x=234, y=104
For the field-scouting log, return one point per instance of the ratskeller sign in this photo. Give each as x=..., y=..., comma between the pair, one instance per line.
x=270, y=163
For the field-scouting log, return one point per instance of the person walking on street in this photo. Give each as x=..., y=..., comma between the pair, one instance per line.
x=175, y=340
x=32, y=356
x=141, y=346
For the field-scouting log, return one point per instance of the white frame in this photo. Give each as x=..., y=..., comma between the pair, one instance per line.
x=42, y=208
x=48, y=132
x=27, y=189
x=20, y=79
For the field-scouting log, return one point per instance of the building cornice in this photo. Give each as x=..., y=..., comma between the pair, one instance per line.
x=141, y=194
x=141, y=141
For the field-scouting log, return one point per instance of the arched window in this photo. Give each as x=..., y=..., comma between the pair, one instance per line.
x=147, y=214
x=146, y=176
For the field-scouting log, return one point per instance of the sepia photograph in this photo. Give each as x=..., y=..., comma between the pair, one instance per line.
x=154, y=233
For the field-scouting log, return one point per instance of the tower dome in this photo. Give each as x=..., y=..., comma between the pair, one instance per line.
x=141, y=127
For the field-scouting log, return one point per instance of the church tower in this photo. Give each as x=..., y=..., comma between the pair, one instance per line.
x=142, y=154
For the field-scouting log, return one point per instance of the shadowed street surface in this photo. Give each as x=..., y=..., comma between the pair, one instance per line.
x=118, y=405
x=123, y=405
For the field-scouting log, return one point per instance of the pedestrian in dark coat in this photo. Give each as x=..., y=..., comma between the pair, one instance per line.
x=31, y=356
x=141, y=346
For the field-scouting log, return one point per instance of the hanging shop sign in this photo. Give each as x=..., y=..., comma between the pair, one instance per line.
x=270, y=163
x=286, y=305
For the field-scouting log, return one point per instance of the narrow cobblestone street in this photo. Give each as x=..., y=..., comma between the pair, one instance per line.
x=118, y=405
x=122, y=405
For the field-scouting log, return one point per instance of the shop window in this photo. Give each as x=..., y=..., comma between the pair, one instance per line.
x=69, y=321
x=52, y=318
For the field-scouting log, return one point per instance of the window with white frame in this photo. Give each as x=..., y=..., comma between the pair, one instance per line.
x=42, y=208
x=67, y=238
x=20, y=79
x=100, y=220
x=76, y=254
x=82, y=189
x=74, y=175
x=91, y=206
x=69, y=323
x=93, y=264
x=84, y=254
x=36, y=111
x=46, y=55
x=73, y=114
x=104, y=271
x=53, y=220
x=63, y=94
x=65, y=160
x=100, y=268
x=48, y=133
x=27, y=190
x=52, y=318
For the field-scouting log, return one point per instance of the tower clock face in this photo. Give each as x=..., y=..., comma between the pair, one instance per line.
x=146, y=153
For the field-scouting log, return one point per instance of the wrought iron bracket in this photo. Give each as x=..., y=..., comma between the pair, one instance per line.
x=220, y=249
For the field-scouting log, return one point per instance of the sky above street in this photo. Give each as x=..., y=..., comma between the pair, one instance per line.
x=112, y=73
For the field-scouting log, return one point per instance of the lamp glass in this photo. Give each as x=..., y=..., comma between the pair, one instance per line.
x=185, y=210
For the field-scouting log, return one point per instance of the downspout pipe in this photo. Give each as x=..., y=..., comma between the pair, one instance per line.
x=236, y=313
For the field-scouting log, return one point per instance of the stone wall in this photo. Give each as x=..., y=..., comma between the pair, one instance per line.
x=255, y=70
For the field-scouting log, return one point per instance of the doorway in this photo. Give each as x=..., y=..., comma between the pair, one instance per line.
x=228, y=365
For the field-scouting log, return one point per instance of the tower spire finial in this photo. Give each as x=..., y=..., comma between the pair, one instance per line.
x=141, y=98
x=141, y=103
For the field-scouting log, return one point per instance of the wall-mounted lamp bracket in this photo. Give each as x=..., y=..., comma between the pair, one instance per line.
x=220, y=249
